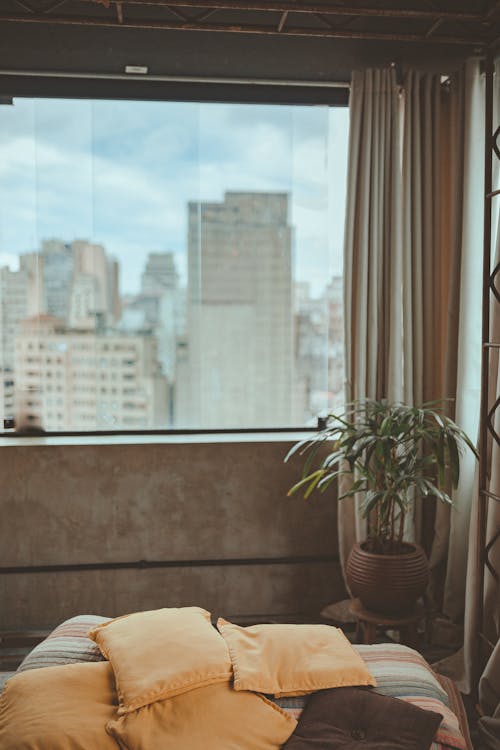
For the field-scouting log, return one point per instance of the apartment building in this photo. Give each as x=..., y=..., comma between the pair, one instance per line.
x=83, y=380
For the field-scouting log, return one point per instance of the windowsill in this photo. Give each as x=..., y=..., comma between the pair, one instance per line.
x=213, y=438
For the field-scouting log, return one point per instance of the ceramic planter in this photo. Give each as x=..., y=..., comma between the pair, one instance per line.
x=388, y=584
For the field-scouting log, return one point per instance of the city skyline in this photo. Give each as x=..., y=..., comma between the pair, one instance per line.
x=243, y=344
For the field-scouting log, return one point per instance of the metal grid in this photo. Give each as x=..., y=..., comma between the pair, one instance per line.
x=488, y=435
x=442, y=22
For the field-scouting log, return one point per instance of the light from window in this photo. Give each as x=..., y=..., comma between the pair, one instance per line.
x=200, y=245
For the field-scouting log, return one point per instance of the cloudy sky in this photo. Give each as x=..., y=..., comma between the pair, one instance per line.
x=121, y=174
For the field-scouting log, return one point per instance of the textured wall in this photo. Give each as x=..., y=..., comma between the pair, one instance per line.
x=114, y=503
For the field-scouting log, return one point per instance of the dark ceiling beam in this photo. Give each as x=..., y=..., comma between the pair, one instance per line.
x=282, y=20
x=281, y=6
x=495, y=8
x=25, y=6
x=261, y=30
x=324, y=20
x=53, y=6
x=177, y=14
x=205, y=14
x=437, y=23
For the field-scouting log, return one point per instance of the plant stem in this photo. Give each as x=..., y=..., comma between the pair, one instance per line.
x=401, y=527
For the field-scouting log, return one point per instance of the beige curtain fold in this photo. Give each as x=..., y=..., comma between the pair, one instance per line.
x=466, y=363
x=372, y=259
x=425, y=280
x=412, y=299
x=489, y=686
x=372, y=234
x=432, y=181
x=402, y=255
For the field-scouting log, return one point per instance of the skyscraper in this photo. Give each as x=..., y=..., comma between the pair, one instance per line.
x=238, y=368
x=82, y=380
x=160, y=273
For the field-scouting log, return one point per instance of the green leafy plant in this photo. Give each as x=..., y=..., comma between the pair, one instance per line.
x=392, y=454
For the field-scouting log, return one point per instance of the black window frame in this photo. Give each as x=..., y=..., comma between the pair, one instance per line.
x=137, y=88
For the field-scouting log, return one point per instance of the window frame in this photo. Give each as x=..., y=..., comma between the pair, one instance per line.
x=146, y=88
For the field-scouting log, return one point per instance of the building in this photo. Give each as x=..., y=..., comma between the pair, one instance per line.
x=95, y=296
x=238, y=369
x=160, y=273
x=82, y=380
x=160, y=307
x=21, y=295
x=58, y=267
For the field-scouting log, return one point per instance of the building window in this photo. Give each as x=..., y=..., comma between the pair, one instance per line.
x=201, y=243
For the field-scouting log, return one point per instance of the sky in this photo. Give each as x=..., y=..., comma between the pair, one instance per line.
x=121, y=173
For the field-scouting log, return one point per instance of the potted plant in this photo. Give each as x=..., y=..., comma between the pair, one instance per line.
x=391, y=455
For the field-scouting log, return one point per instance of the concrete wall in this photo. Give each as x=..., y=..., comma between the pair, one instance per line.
x=71, y=504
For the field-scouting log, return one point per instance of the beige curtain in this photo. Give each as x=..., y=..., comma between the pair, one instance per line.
x=372, y=259
x=489, y=686
x=413, y=305
x=432, y=204
x=402, y=251
x=465, y=364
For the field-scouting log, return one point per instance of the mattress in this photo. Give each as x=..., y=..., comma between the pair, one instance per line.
x=404, y=676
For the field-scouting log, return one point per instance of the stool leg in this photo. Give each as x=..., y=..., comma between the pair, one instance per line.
x=409, y=635
x=370, y=633
x=359, y=632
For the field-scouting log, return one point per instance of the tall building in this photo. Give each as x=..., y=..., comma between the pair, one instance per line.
x=21, y=295
x=160, y=307
x=80, y=380
x=58, y=266
x=237, y=369
x=160, y=273
x=94, y=299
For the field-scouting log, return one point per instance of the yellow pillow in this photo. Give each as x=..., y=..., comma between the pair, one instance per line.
x=212, y=718
x=59, y=708
x=292, y=659
x=162, y=653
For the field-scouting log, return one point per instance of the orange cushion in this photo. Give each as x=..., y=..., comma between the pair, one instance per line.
x=59, y=708
x=292, y=659
x=213, y=718
x=162, y=653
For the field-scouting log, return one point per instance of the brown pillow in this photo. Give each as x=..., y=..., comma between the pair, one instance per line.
x=292, y=659
x=357, y=718
x=59, y=708
x=161, y=653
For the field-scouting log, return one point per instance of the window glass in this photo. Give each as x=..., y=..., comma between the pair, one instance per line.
x=170, y=265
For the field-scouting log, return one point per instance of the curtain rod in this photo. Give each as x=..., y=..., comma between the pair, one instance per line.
x=175, y=78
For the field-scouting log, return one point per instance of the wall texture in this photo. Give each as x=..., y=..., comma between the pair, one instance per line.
x=117, y=503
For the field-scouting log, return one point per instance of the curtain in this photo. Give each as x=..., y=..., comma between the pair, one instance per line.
x=462, y=371
x=432, y=204
x=489, y=686
x=402, y=254
x=372, y=257
x=412, y=297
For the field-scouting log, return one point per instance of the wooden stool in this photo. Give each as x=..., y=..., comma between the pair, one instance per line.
x=367, y=623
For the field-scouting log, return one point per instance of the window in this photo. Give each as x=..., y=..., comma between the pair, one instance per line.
x=201, y=244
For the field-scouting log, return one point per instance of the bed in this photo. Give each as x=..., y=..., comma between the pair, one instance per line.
x=400, y=672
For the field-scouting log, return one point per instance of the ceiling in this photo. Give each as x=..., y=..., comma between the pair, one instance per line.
x=444, y=23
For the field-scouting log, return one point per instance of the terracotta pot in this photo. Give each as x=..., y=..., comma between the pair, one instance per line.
x=388, y=584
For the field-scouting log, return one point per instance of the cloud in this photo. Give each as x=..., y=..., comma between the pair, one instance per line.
x=122, y=173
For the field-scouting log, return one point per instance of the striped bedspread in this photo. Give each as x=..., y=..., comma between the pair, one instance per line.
x=400, y=672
